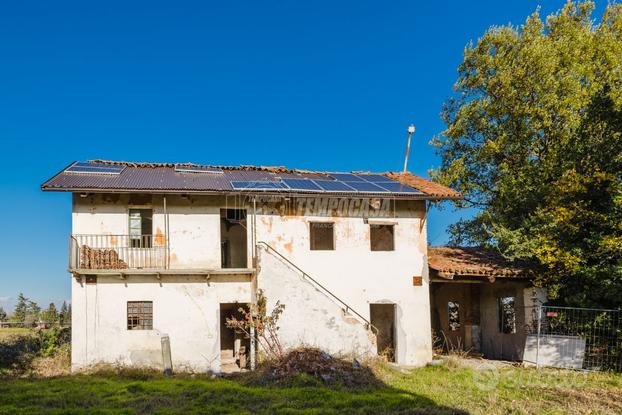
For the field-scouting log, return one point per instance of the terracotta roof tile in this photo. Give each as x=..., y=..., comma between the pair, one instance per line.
x=426, y=186
x=449, y=262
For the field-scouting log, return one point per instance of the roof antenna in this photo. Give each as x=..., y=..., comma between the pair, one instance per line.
x=411, y=131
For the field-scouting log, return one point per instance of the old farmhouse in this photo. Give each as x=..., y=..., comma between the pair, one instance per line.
x=159, y=249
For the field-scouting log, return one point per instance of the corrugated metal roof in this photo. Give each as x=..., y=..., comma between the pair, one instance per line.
x=162, y=177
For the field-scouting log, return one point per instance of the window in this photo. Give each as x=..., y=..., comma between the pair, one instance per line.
x=322, y=236
x=141, y=228
x=233, y=238
x=507, y=315
x=453, y=314
x=381, y=237
x=140, y=315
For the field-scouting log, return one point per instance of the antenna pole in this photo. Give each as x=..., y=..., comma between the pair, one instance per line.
x=411, y=130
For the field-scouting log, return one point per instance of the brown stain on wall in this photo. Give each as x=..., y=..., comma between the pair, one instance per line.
x=140, y=199
x=267, y=221
x=111, y=198
x=289, y=246
x=346, y=229
x=173, y=259
x=160, y=239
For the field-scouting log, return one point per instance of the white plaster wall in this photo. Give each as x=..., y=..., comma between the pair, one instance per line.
x=186, y=308
x=352, y=271
x=359, y=276
x=310, y=317
x=194, y=224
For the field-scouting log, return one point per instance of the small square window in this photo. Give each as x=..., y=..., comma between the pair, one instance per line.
x=381, y=237
x=507, y=315
x=453, y=313
x=140, y=315
x=322, y=236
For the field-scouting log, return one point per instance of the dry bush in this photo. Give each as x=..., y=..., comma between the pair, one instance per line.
x=36, y=352
x=59, y=364
x=312, y=364
x=264, y=325
x=453, y=361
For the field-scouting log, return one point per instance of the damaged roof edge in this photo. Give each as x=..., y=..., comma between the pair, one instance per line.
x=144, y=180
x=426, y=186
x=238, y=192
x=469, y=262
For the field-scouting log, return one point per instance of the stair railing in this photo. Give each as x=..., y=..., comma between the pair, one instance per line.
x=346, y=307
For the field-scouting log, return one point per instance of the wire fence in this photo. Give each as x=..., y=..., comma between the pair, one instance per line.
x=576, y=338
x=32, y=325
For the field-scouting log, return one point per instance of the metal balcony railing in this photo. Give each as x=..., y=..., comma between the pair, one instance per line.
x=114, y=252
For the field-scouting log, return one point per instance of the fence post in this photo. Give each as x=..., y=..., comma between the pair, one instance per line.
x=538, y=338
x=167, y=362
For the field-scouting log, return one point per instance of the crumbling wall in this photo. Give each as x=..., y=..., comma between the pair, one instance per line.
x=310, y=318
x=495, y=344
x=360, y=276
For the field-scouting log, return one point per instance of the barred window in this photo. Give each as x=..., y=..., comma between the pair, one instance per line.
x=140, y=315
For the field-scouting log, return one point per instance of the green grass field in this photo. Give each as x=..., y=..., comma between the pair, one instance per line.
x=457, y=386
x=453, y=388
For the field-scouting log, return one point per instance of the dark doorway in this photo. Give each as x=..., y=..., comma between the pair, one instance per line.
x=234, y=346
x=455, y=316
x=233, y=238
x=382, y=317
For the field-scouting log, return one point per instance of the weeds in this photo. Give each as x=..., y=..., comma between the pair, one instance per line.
x=21, y=351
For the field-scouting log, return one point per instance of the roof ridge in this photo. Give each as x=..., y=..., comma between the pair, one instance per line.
x=280, y=169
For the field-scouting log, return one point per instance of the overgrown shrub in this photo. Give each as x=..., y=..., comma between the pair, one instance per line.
x=308, y=366
x=18, y=352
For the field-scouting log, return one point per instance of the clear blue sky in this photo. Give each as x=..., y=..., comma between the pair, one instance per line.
x=316, y=85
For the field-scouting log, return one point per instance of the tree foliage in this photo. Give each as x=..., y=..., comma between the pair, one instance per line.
x=50, y=315
x=26, y=311
x=64, y=316
x=21, y=309
x=534, y=142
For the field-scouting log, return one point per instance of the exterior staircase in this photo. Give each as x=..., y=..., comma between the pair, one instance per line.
x=313, y=315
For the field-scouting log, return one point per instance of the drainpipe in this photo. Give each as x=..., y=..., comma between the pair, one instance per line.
x=254, y=232
x=254, y=282
x=168, y=252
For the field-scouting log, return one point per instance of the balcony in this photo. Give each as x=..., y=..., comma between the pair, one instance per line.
x=118, y=252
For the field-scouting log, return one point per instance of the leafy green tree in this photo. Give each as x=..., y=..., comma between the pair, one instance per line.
x=33, y=313
x=50, y=315
x=3, y=315
x=65, y=314
x=21, y=309
x=534, y=142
